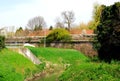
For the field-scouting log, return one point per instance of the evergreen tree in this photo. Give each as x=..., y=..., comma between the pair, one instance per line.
x=108, y=33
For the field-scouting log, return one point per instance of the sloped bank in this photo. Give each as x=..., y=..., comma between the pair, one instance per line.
x=29, y=55
x=16, y=67
x=57, y=61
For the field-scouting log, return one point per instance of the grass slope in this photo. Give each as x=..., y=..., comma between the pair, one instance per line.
x=15, y=67
x=92, y=72
x=80, y=68
x=56, y=55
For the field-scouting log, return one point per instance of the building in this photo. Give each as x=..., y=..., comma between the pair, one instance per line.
x=3, y=32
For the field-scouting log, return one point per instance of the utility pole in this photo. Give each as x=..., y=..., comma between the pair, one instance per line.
x=44, y=37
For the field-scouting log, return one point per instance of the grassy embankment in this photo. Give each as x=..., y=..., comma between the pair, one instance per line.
x=15, y=67
x=75, y=65
x=61, y=64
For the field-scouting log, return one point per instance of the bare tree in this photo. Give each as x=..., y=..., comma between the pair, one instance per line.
x=26, y=31
x=36, y=23
x=59, y=23
x=68, y=18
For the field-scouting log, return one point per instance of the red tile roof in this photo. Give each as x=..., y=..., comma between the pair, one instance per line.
x=73, y=31
x=78, y=31
x=39, y=33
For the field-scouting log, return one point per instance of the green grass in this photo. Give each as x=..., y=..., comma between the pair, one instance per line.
x=81, y=68
x=92, y=72
x=62, y=57
x=61, y=65
x=15, y=67
x=56, y=55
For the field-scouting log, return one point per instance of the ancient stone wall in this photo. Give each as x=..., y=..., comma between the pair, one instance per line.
x=84, y=47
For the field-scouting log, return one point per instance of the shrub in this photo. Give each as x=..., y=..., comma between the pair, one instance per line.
x=58, y=35
x=2, y=42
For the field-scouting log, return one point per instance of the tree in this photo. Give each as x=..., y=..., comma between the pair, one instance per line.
x=19, y=32
x=26, y=32
x=2, y=42
x=51, y=28
x=96, y=15
x=59, y=23
x=108, y=33
x=36, y=23
x=90, y=24
x=68, y=18
x=83, y=26
x=58, y=35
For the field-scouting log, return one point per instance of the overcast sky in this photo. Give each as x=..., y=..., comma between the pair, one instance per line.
x=18, y=12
